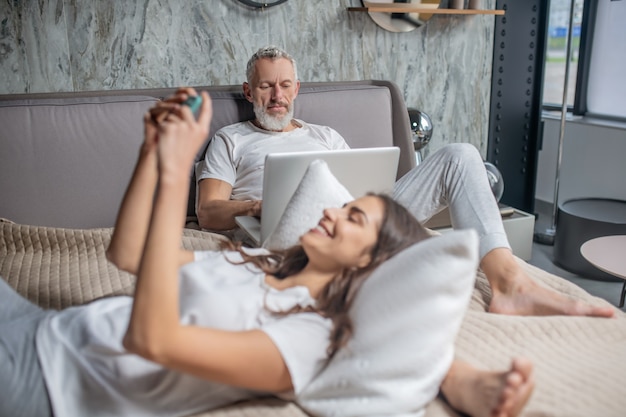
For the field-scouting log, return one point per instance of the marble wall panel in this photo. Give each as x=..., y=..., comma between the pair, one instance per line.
x=34, y=51
x=443, y=67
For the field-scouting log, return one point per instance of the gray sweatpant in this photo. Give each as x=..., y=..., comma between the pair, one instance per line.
x=455, y=177
x=22, y=387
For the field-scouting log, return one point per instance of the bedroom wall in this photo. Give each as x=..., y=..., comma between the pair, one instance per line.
x=443, y=68
x=592, y=164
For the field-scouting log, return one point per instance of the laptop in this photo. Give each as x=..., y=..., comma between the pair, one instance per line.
x=360, y=170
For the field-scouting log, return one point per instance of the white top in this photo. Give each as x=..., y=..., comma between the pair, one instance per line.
x=236, y=154
x=88, y=372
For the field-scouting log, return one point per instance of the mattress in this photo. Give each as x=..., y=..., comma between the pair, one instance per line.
x=580, y=362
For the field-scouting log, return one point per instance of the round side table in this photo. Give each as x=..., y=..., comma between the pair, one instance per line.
x=583, y=219
x=608, y=253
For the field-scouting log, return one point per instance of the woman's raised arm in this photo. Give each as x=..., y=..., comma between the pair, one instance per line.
x=247, y=359
x=131, y=226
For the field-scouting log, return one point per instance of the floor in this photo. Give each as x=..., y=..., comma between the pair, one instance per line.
x=542, y=258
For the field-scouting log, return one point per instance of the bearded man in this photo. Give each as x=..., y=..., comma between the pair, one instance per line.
x=231, y=183
x=231, y=180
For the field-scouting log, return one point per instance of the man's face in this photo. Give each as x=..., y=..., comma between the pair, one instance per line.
x=272, y=92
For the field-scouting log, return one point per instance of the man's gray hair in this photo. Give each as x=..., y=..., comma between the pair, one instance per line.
x=272, y=52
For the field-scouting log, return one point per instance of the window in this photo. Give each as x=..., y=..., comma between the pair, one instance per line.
x=556, y=52
x=597, y=81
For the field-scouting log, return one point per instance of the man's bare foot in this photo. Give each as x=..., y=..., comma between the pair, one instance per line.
x=530, y=299
x=489, y=394
x=515, y=293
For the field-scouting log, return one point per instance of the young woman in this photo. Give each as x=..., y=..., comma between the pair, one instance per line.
x=209, y=328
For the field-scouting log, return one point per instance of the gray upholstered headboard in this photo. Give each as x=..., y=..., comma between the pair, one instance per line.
x=66, y=158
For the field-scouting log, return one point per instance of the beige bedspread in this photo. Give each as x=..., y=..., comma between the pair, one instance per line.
x=580, y=362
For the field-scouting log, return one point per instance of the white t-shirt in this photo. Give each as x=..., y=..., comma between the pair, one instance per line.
x=88, y=372
x=236, y=154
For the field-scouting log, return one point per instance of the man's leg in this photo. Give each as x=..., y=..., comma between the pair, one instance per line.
x=455, y=176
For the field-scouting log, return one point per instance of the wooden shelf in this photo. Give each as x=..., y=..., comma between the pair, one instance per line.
x=423, y=8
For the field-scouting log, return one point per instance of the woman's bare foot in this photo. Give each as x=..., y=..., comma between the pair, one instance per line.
x=515, y=293
x=486, y=393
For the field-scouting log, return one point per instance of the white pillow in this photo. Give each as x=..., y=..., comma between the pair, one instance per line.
x=406, y=317
x=318, y=189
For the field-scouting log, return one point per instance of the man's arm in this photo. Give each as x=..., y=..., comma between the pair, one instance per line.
x=216, y=211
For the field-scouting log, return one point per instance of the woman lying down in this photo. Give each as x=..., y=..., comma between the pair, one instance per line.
x=206, y=329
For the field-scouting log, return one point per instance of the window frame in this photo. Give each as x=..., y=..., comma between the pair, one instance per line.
x=579, y=108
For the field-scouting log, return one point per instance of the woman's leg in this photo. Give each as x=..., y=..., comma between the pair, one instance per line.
x=23, y=391
x=13, y=305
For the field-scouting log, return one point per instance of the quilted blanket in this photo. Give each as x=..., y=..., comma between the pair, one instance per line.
x=580, y=362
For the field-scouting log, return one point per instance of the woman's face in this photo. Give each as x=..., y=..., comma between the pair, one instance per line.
x=345, y=236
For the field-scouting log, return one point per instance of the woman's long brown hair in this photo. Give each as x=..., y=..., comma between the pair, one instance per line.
x=398, y=230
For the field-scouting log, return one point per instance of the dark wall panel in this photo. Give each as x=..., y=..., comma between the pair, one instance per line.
x=515, y=111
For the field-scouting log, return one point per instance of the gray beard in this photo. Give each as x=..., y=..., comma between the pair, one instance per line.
x=271, y=122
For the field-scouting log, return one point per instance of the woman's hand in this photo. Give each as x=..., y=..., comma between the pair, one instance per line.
x=150, y=134
x=180, y=135
x=164, y=107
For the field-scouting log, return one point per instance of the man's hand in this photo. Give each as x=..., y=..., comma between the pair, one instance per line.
x=216, y=211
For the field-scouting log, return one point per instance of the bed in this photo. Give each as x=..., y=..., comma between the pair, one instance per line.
x=64, y=165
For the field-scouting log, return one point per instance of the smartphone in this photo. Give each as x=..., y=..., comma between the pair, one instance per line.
x=194, y=103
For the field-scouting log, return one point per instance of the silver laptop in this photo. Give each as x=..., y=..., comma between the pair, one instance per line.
x=360, y=170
